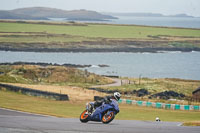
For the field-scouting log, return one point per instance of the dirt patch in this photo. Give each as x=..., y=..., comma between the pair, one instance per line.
x=74, y=93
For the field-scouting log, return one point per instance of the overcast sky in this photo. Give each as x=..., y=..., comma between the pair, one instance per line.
x=166, y=7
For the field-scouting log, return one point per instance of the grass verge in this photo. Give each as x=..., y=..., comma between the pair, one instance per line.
x=70, y=109
x=194, y=123
x=17, y=101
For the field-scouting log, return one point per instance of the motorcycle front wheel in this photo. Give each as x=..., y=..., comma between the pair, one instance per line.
x=108, y=117
x=84, y=117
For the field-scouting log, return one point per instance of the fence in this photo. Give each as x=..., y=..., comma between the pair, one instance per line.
x=160, y=105
x=38, y=93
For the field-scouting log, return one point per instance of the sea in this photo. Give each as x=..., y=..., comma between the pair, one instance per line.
x=183, y=22
x=183, y=65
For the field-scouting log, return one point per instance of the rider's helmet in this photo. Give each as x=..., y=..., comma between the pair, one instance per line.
x=117, y=95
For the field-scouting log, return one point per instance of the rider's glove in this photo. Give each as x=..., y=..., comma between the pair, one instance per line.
x=107, y=101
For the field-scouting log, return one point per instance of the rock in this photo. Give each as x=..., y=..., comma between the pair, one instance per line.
x=103, y=65
x=141, y=92
x=167, y=95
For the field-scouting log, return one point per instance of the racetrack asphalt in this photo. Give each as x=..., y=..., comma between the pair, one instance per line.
x=19, y=122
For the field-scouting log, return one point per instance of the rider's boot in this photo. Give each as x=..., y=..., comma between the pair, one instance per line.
x=90, y=108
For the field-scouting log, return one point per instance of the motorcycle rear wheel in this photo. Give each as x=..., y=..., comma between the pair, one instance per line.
x=107, y=118
x=84, y=116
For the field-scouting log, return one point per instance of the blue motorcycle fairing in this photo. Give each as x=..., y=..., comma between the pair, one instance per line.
x=97, y=115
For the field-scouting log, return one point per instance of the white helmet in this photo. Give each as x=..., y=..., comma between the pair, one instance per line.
x=117, y=95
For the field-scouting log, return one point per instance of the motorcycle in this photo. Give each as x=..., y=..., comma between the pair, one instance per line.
x=104, y=113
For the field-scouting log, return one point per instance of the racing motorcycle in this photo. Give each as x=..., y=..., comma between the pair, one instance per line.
x=104, y=113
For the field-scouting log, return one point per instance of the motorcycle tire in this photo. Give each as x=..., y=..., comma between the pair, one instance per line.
x=107, y=118
x=84, y=117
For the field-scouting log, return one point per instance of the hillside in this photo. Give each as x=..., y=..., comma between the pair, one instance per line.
x=13, y=15
x=44, y=13
x=50, y=74
x=25, y=75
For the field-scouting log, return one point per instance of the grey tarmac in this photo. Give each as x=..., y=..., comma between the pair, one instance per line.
x=20, y=122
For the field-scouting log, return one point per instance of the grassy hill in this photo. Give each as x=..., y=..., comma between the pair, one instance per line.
x=13, y=15
x=58, y=13
x=60, y=75
x=38, y=13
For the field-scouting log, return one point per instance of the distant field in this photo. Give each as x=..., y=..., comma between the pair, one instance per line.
x=77, y=37
x=100, y=30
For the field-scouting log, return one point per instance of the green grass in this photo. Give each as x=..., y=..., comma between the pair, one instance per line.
x=130, y=112
x=29, y=39
x=26, y=103
x=37, y=36
x=159, y=85
x=68, y=109
x=98, y=30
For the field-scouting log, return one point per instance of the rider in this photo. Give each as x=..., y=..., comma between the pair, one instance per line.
x=107, y=99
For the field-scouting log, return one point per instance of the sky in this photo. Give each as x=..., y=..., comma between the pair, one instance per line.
x=166, y=7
